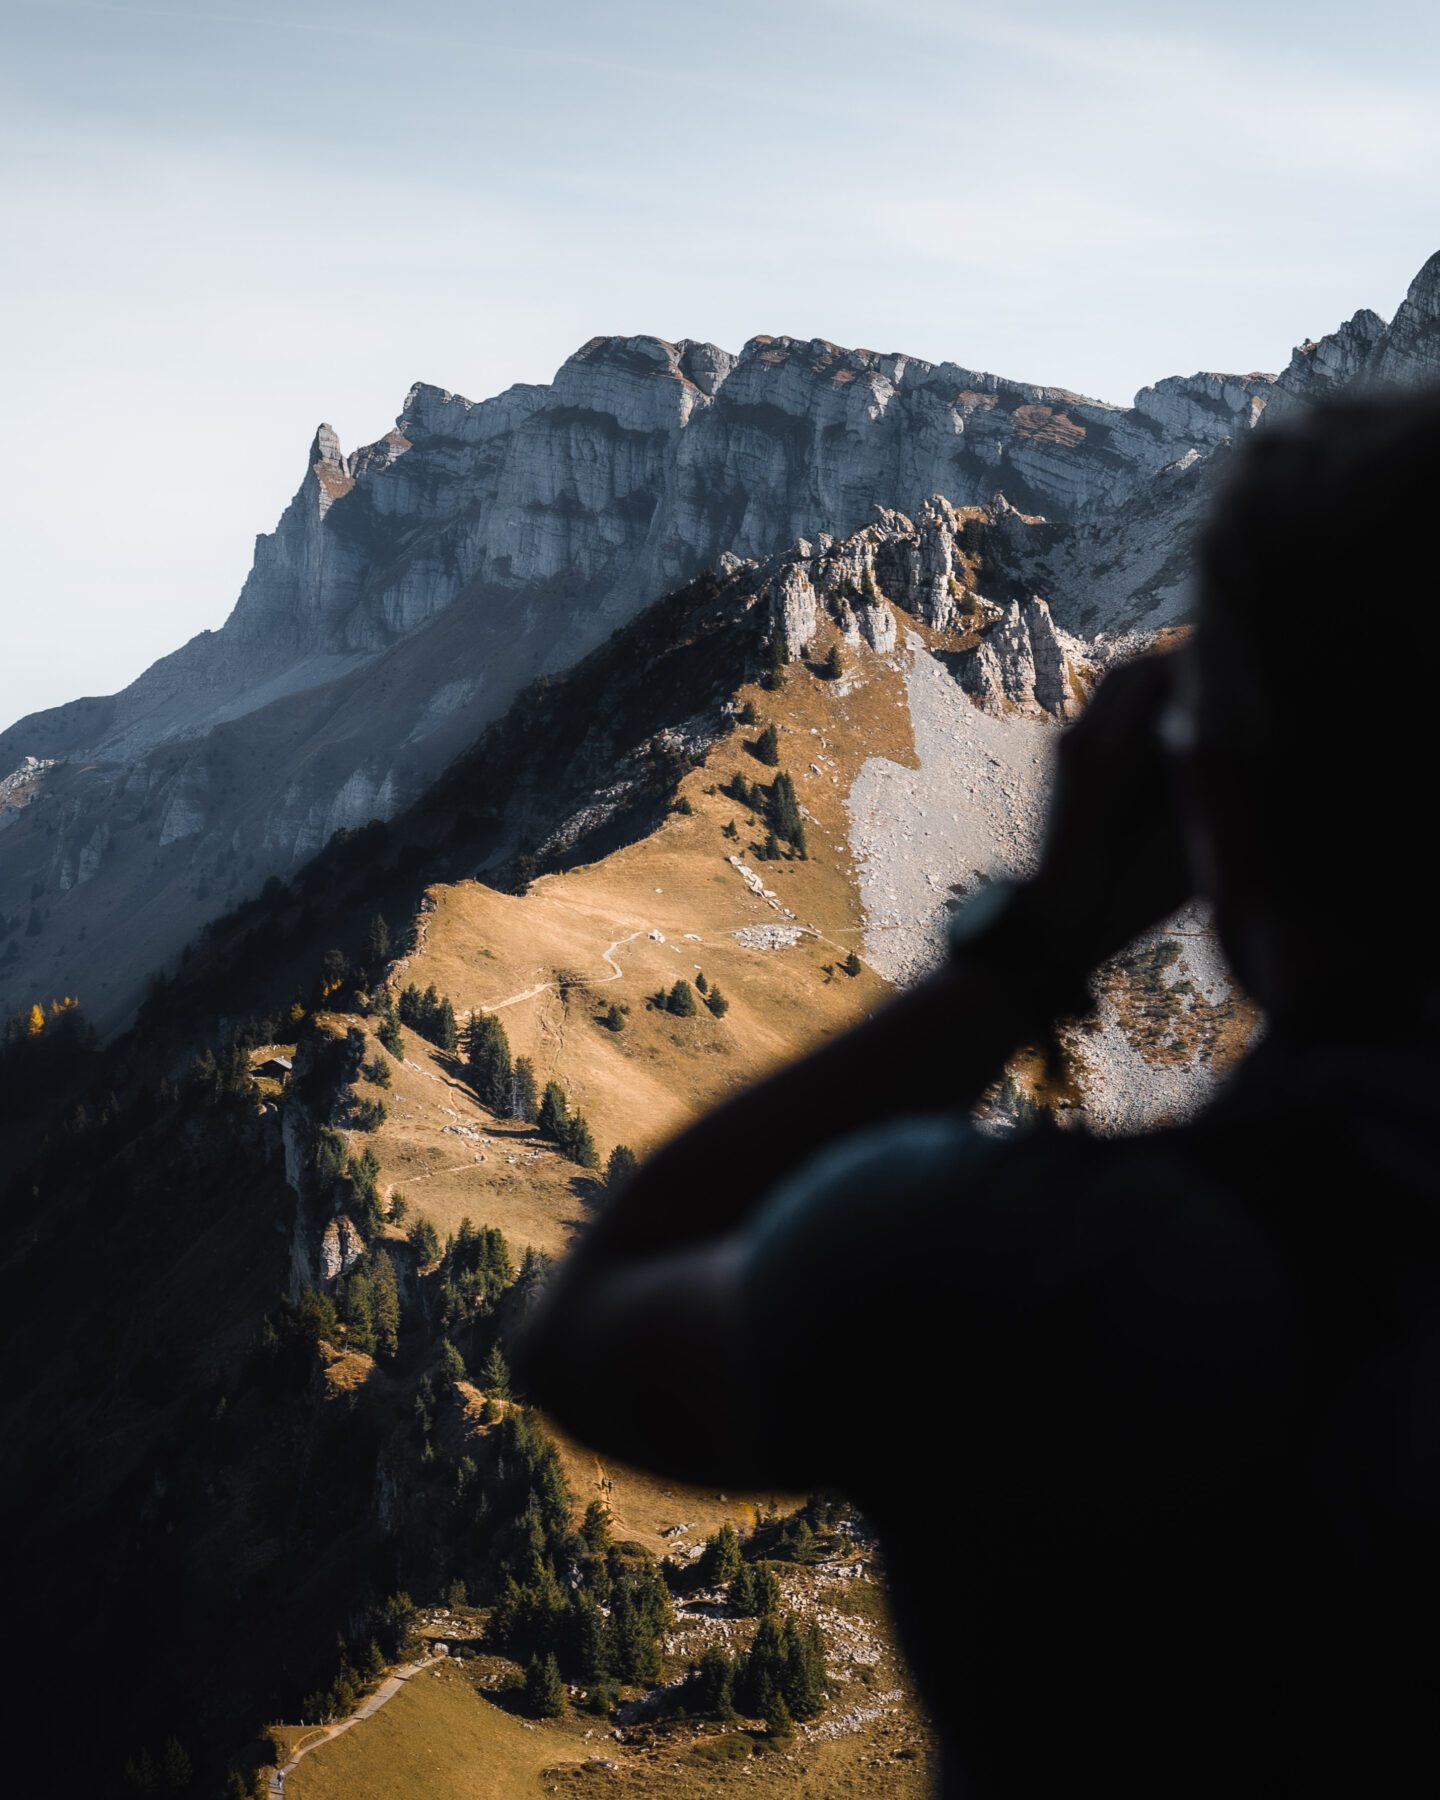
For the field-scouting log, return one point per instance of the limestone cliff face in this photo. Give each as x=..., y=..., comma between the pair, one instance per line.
x=413, y=585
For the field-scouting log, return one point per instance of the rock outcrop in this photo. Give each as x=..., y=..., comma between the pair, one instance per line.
x=1023, y=664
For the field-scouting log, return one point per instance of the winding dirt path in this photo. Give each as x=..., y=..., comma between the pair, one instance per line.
x=322, y=1734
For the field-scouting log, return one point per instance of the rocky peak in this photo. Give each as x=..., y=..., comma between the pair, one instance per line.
x=1409, y=352
x=644, y=383
x=1205, y=409
x=1024, y=664
x=1319, y=366
x=705, y=364
x=332, y=470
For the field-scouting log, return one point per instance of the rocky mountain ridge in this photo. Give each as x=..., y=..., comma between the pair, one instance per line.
x=413, y=586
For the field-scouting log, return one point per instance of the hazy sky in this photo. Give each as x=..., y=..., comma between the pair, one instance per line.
x=226, y=220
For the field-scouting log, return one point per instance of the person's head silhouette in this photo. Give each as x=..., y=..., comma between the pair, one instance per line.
x=1308, y=703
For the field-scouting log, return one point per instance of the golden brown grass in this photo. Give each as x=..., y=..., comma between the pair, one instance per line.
x=439, y=1739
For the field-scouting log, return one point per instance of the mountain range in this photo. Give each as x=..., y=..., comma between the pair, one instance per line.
x=412, y=587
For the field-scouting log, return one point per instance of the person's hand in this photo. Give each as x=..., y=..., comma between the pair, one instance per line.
x=1112, y=861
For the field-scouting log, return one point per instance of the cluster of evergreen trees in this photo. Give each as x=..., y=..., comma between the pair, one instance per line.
x=507, y=1087
x=681, y=1001
x=363, y=1315
x=568, y=1130
x=575, y=1603
x=780, y=1678
x=778, y=806
x=431, y=1014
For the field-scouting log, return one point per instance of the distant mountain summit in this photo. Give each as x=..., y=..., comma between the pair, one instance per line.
x=413, y=586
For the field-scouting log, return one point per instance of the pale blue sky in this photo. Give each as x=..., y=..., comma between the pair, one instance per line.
x=224, y=220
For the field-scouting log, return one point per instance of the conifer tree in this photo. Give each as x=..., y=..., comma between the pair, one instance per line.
x=522, y=1091
x=595, y=1529
x=721, y=1560
x=488, y=1065
x=710, y=1691
x=578, y=1142
x=775, y=660
x=717, y=1003
x=385, y=1302
x=424, y=1240
x=702, y=985
x=779, y=1727
x=771, y=850
x=591, y=1649
x=544, y=1690
x=377, y=943
x=852, y=964
x=767, y=747
x=494, y=1375
x=554, y=1111
x=621, y=1166
x=833, y=668
x=681, y=1000
x=747, y=714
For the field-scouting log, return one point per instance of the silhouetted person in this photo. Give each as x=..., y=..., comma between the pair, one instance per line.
x=1150, y=1427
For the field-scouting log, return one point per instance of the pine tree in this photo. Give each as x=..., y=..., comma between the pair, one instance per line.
x=595, y=1529
x=833, y=668
x=779, y=1727
x=554, y=1111
x=488, y=1065
x=357, y=1309
x=494, y=1377
x=621, y=1166
x=522, y=1091
x=747, y=714
x=591, y=1652
x=544, y=1690
x=424, y=1240
x=771, y=850
x=852, y=964
x=767, y=747
x=775, y=660
x=710, y=1691
x=721, y=1559
x=446, y=1036
x=176, y=1771
x=613, y=1019
x=377, y=943
x=578, y=1142
x=717, y=1003
x=702, y=985
x=732, y=830
x=681, y=1000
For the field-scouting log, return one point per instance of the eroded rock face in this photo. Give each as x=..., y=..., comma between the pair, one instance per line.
x=341, y=1247
x=1023, y=664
